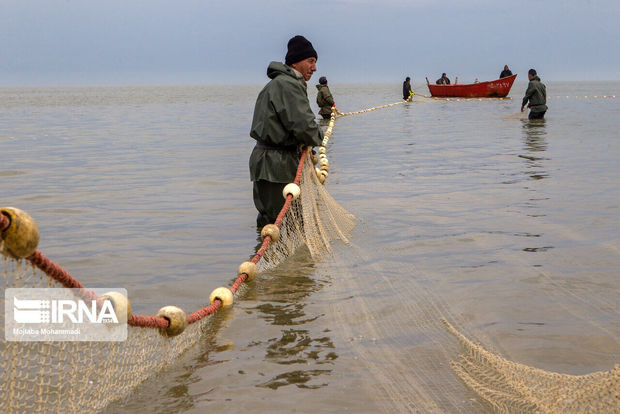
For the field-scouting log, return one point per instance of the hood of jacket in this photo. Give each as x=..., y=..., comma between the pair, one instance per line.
x=278, y=68
x=535, y=78
x=319, y=86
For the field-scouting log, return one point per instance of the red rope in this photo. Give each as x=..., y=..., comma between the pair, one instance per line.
x=59, y=274
x=262, y=250
x=62, y=276
x=300, y=167
x=287, y=204
x=207, y=310
x=240, y=279
x=147, y=321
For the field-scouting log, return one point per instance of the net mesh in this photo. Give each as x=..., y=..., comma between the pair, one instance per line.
x=87, y=376
x=511, y=387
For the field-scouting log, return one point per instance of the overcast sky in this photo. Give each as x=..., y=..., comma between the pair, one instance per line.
x=103, y=42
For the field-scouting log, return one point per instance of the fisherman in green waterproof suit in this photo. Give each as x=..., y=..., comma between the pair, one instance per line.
x=536, y=94
x=324, y=98
x=282, y=122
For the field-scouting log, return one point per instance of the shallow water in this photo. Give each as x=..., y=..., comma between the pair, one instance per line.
x=508, y=227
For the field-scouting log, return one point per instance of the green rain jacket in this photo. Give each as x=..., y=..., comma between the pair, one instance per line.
x=324, y=100
x=536, y=93
x=282, y=119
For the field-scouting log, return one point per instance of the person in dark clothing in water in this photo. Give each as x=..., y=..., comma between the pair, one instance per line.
x=536, y=94
x=407, y=91
x=282, y=122
x=443, y=80
x=324, y=98
x=506, y=72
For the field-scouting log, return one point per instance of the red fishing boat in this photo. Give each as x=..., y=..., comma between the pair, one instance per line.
x=491, y=89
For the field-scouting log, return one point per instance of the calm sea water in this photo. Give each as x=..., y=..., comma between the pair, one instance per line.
x=511, y=227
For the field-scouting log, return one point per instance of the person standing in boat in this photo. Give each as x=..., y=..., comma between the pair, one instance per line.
x=283, y=120
x=407, y=91
x=506, y=72
x=443, y=80
x=536, y=94
x=324, y=98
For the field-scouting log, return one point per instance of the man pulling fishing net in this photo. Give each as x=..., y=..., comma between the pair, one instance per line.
x=283, y=121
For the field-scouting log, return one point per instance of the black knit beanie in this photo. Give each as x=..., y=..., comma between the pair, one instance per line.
x=299, y=48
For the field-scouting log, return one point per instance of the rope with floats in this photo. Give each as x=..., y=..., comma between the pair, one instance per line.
x=19, y=238
x=374, y=108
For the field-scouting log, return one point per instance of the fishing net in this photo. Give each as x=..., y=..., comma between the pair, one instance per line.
x=511, y=387
x=71, y=377
x=86, y=376
x=315, y=219
x=425, y=369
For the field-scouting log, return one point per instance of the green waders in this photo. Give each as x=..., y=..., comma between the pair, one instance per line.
x=268, y=200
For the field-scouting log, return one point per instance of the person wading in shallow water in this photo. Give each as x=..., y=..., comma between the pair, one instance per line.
x=324, y=98
x=407, y=91
x=536, y=94
x=282, y=122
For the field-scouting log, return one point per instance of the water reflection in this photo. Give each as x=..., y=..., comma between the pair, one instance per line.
x=534, y=132
x=535, y=143
x=534, y=135
x=302, y=341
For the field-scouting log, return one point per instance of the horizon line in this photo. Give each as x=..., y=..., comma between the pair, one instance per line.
x=103, y=85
